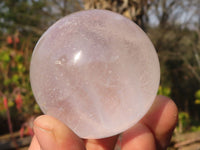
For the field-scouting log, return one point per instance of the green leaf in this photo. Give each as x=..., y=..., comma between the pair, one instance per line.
x=197, y=101
x=6, y=82
x=21, y=68
x=197, y=94
x=18, y=58
x=10, y=103
x=15, y=79
x=5, y=56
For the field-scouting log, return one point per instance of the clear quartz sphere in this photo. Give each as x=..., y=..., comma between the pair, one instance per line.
x=96, y=71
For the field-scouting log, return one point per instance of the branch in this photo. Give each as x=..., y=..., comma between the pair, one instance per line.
x=187, y=142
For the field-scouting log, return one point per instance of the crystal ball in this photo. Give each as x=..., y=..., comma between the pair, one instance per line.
x=96, y=71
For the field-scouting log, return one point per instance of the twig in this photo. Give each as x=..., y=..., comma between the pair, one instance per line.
x=186, y=142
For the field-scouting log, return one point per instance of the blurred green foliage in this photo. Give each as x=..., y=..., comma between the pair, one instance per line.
x=183, y=121
x=197, y=94
x=14, y=64
x=166, y=91
x=186, y=124
x=22, y=23
x=194, y=128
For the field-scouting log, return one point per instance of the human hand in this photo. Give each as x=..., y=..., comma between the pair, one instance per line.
x=152, y=132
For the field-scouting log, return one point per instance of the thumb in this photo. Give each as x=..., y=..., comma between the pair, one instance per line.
x=52, y=134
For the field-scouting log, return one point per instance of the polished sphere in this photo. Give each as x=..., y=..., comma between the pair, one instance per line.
x=96, y=71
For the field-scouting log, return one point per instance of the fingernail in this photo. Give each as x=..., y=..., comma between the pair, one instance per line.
x=44, y=134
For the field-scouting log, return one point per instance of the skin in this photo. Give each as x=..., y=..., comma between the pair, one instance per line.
x=152, y=132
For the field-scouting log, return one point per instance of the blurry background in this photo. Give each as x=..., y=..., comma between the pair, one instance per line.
x=172, y=25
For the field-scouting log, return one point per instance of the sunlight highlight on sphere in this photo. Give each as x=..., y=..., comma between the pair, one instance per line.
x=96, y=71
